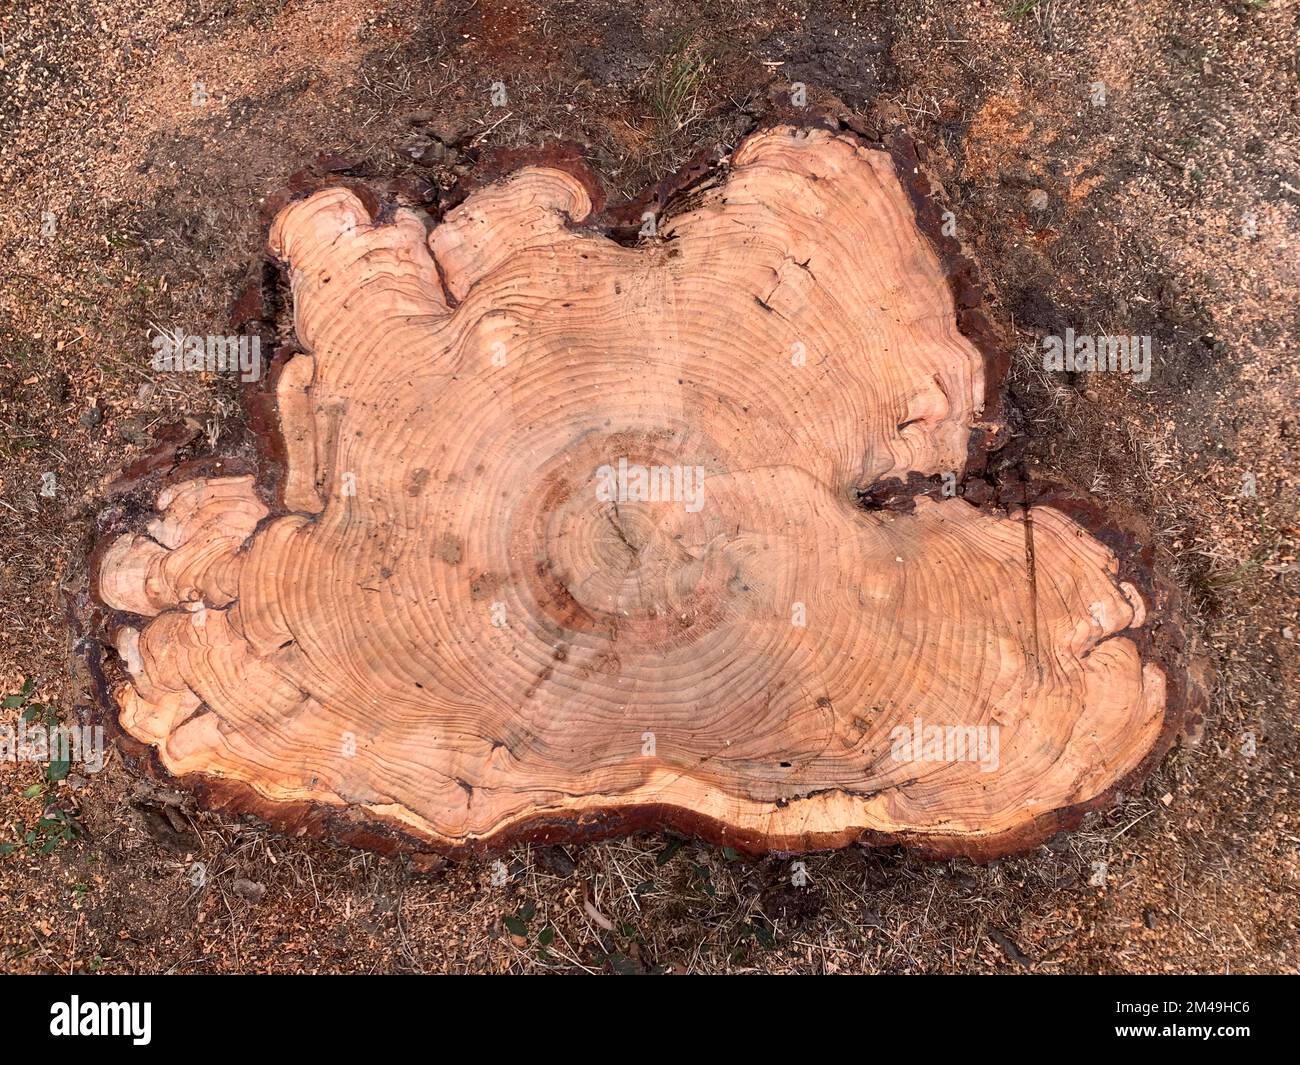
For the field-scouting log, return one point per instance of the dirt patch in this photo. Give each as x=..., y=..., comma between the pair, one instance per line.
x=1164, y=205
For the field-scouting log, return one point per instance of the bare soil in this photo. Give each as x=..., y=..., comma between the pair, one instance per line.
x=1164, y=204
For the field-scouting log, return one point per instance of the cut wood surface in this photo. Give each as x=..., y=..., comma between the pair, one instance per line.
x=569, y=539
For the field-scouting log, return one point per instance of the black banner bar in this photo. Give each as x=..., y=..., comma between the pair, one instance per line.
x=140, y=1015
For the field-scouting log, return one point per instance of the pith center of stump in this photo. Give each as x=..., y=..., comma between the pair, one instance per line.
x=623, y=543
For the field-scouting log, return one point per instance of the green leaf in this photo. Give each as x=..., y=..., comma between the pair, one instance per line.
x=29, y=685
x=33, y=791
x=702, y=875
x=58, y=770
x=546, y=937
x=12, y=700
x=623, y=965
x=515, y=926
x=30, y=714
x=666, y=855
x=730, y=853
x=527, y=910
x=50, y=844
x=6, y=849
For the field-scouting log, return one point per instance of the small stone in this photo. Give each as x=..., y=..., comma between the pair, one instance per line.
x=447, y=129
x=555, y=860
x=249, y=890
x=435, y=154
x=132, y=431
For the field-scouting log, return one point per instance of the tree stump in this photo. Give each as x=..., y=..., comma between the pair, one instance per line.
x=565, y=538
